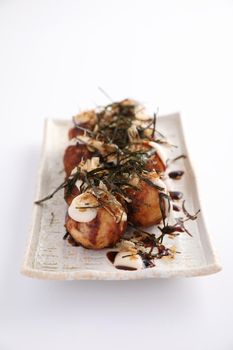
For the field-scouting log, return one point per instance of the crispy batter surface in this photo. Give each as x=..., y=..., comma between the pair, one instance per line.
x=144, y=210
x=73, y=156
x=99, y=233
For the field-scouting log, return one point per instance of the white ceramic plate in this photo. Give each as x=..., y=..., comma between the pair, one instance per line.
x=48, y=256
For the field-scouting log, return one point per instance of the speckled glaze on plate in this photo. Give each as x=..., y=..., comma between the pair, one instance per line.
x=48, y=256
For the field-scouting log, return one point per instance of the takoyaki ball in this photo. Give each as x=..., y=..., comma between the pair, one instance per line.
x=75, y=132
x=95, y=227
x=144, y=208
x=157, y=161
x=73, y=156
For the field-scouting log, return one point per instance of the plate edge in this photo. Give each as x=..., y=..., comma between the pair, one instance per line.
x=35, y=208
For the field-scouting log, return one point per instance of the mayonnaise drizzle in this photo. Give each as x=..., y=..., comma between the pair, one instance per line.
x=129, y=260
x=82, y=214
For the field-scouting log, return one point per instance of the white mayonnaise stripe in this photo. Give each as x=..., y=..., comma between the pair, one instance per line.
x=83, y=215
x=127, y=259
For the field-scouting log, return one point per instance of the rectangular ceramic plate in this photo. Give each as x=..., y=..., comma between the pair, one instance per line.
x=48, y=256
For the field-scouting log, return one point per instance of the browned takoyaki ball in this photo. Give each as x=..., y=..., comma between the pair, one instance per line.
x=154, y=163
x=144, y=208
x=74, y=132
x=73, y=156
x=101, y=232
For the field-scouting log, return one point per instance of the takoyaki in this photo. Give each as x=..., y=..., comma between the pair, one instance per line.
x=96, y=224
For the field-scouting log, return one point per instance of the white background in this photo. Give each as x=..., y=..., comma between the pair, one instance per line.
x=175, y=54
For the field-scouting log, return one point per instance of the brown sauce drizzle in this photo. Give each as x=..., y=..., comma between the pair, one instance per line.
x=176, y=208
x=122, y=267
x=176, y=195
x=176, y=175
x=111, y=256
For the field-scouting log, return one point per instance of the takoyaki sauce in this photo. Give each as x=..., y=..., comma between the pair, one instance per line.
x=176, y=208
x=121, y=267
x=176, y=195
x=111, y=256
x=176, y=175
